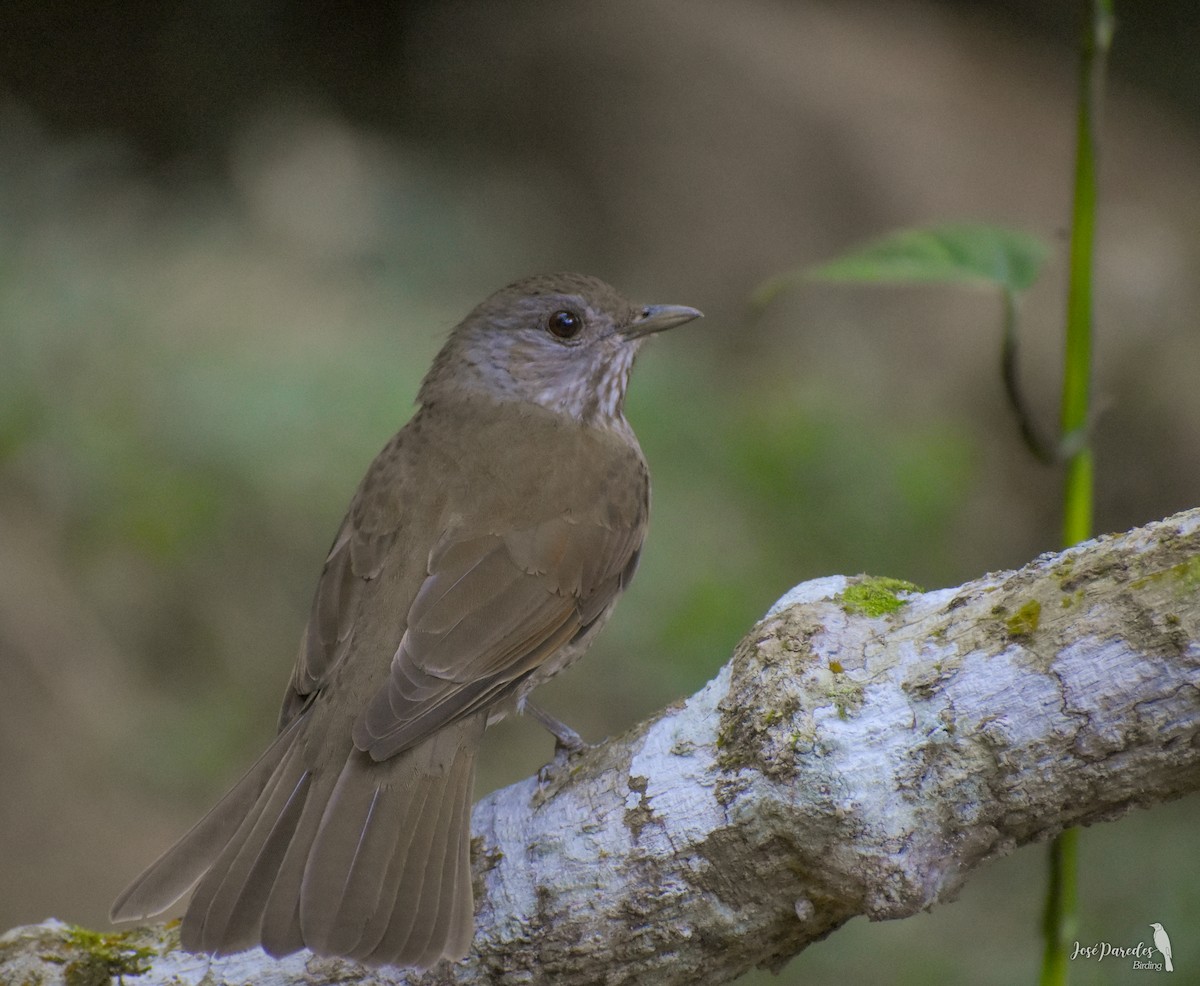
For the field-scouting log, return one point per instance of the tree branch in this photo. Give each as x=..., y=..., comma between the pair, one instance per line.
x=864, y=750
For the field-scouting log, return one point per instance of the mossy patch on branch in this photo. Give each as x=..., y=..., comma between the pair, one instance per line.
x=94, y=959
x=875, y=595
x=1024, y=622
x=1188, y=573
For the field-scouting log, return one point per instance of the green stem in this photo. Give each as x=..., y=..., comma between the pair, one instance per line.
x=1077, y=362
x=1061, y=916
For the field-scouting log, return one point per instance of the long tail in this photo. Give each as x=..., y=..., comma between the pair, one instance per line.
x=360, y=859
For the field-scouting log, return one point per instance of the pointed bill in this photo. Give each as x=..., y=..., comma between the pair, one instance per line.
x=658, y=318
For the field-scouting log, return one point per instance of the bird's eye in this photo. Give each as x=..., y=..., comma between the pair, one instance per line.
x=564, y=324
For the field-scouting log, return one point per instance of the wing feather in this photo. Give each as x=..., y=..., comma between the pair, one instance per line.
x=492, y=610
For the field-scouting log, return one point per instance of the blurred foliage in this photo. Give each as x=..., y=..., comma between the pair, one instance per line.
x=954, y=253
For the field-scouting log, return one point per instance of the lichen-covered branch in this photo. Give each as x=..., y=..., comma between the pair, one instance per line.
x=865, y=749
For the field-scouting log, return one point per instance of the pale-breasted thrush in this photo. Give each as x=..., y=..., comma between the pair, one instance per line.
x=482, y=552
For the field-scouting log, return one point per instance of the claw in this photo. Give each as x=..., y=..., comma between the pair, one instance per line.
x=567, y=742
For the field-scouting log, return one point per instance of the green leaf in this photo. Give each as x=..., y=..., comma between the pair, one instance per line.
x=959, y=253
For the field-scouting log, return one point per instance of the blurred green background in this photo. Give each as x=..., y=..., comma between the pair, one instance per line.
x=233, y=235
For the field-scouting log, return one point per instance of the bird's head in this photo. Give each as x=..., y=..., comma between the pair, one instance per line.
x=565, y=342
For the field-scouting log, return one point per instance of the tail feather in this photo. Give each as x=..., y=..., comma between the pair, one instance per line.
x=376, y=874
x=393, y=946
x=376, y=925
x=281, y=932
x=430, y=881
x=453, y=883
x=346, y=856
x=349, y=857
x=250, y=910
x=177, y=870
x=459, y=926
x=225, y=913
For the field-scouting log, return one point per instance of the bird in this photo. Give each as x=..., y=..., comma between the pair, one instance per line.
x=481, y=553
x=1163, y=943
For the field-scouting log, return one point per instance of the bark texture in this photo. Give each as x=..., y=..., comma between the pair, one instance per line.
x=867, y=747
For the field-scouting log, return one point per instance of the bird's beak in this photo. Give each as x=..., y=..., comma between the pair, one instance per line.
x=657, y=318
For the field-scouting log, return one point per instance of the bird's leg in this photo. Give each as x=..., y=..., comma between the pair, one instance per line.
x=566, y=740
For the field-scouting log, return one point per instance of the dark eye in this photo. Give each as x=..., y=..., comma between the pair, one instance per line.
x=564, y=324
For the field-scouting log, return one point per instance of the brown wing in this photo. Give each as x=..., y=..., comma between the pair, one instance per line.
x=492, y=610
x=359, y=551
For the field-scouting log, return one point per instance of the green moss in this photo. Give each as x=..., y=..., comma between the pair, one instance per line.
x=97, y=959
x=1024, y=622
x=1071, y=595
x=1188, y=573
x=875, y=596
x=846, y=695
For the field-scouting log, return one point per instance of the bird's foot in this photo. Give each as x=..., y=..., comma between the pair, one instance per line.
x=567, y=742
